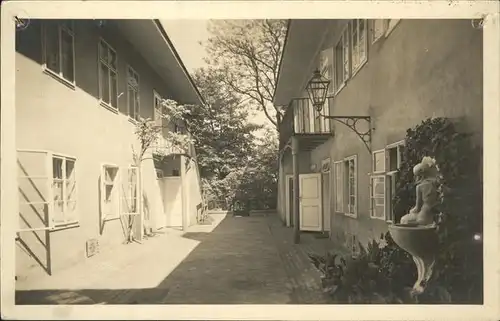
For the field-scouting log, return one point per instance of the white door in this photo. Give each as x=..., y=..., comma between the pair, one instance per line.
x=172, y=198
x=310, y=213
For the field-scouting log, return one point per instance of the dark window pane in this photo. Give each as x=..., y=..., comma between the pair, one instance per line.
x=130, y=96
x=57, y=168
x=103, y=51
x=52, y=46
x=67, y=56
x=114, y=89
x=393, y=159
x=104, y=83
x=136, y=111
x=70, y=167
x=112, y=59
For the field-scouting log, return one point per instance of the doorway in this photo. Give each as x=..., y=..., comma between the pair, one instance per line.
x=326, y=194
x=310, y=214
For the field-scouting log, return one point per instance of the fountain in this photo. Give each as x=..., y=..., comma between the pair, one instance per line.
x=417, y=231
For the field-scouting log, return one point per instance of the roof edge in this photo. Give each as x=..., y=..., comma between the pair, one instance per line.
x=281, y=58
x=164, y=34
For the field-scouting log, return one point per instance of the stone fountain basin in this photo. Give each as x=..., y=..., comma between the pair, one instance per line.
x=419, y=241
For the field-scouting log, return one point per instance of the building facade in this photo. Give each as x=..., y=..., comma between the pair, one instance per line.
x=81, y=88
x=397, y=72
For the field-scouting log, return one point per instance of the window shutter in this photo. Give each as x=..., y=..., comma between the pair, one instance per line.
x=123, y=191
x=378, y=196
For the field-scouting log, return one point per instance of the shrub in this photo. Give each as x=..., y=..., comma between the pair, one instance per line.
x=459, y=264
x=382, y=274
x=379, y=274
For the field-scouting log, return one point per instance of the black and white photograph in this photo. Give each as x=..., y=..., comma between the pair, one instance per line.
x=250, y=165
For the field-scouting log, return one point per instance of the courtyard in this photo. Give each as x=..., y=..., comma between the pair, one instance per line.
x=236, y=260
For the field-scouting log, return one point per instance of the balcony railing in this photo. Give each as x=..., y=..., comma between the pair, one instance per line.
x=302, y=118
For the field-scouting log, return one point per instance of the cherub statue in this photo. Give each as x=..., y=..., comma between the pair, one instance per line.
x=426, y=173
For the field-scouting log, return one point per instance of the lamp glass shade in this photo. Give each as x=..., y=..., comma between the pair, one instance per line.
x=317, y=89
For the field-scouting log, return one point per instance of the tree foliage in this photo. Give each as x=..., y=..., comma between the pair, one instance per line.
x=246, y=56
x=221, y=132
x=460, y=262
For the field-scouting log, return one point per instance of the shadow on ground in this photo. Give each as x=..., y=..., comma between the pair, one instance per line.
x=237, y=263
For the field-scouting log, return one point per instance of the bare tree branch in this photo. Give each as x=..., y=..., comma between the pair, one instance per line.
x=247, y=53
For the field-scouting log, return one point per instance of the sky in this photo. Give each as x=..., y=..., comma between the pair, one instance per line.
x=186, y=35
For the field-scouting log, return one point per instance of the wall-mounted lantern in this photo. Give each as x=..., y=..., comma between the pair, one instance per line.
x=317, y=89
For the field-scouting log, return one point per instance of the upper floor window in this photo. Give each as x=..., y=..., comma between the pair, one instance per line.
x=157, y=109
x=133, y=93
x=326, y=67
x=341, y=63
x=108, y=84
x=59, y=48
x=378, y=29
x=359, y=43
x=391, y=24
x=382, y=27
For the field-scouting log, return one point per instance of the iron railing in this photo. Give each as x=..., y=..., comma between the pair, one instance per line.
x=302, y=118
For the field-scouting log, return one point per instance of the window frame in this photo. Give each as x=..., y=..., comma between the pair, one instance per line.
x=384, y=161
x=64, y=180
x=353, y=214
x=364, y=59
x=339, y=177
x=59, y=75
x=390, y=178
x=374, y=37
x=389, y=28
x=326, y=65
x=136, y=88
x=396, y=145
x=159, y=121
x=116, y=184
x=344, y=37
x=109, y=69
x=373, y=196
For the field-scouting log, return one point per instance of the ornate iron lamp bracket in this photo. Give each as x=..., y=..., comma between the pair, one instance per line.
x=352, y=122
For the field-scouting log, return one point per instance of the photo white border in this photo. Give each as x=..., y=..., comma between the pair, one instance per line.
x=254, y=9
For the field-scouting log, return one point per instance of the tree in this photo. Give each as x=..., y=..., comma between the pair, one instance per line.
x=246, y=56
x=220, y=129
x=259, y=181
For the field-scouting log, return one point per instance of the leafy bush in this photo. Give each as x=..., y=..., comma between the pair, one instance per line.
x=379, y=274
x=460, y=263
